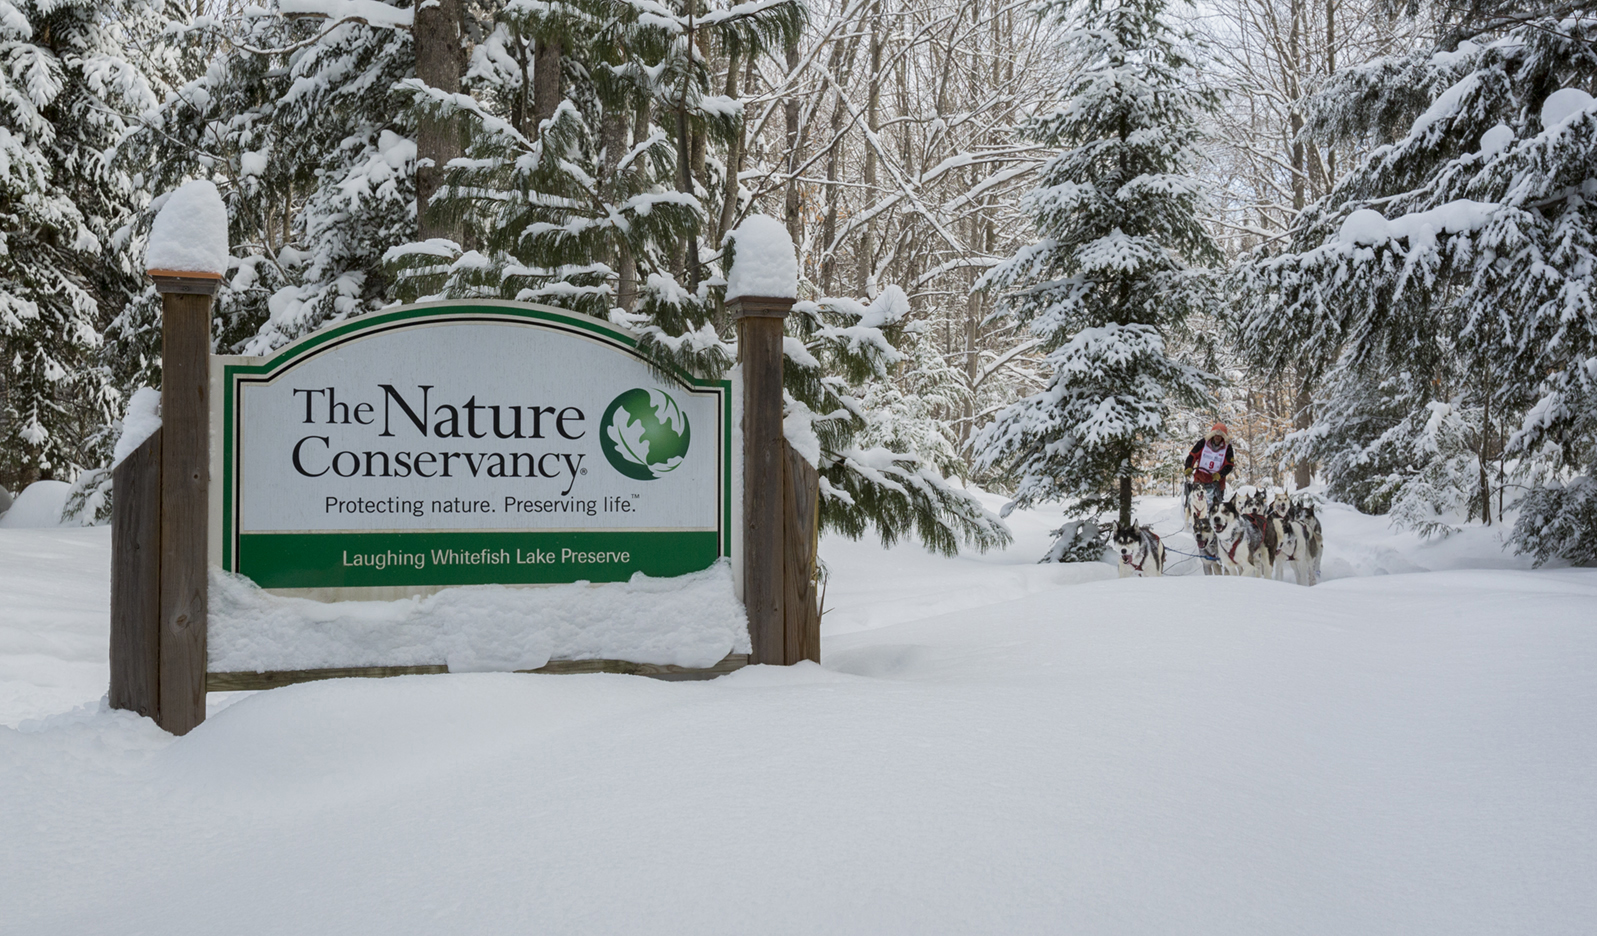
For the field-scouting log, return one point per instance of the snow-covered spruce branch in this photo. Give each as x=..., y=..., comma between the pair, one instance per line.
x=839, y=344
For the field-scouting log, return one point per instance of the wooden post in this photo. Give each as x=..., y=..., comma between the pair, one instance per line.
x=759, y=322
x=801, y=509
x=185, y=497
x=136, y=580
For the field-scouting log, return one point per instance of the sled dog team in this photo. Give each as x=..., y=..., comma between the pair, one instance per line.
x=1246, y=534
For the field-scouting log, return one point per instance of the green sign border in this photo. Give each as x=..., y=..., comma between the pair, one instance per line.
x=433, y=313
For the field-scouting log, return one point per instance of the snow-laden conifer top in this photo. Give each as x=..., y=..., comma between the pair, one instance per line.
x=764, y=263
x=190, y=231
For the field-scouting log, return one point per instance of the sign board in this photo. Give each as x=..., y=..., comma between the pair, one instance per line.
x=464, y=443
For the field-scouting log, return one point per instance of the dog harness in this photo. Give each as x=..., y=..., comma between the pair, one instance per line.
x=1232, y=552
x=1293, y=556
x=1252, y=528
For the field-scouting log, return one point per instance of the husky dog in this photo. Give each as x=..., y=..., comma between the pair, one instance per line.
x=1280, y=504
x=1240, y=543
x=1295, y=552
x=1195, y=503
x=1303, y=513
x=1276, y=515
x=1141, y=552
x=1252, y=504
x=1209, y=553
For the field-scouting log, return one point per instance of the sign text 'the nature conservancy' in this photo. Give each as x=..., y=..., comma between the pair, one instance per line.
x=459, y=443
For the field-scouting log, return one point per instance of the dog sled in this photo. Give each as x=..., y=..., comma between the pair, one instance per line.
x=1248, y=533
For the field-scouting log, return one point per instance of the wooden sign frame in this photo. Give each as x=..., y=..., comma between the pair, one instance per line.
x=169, y=528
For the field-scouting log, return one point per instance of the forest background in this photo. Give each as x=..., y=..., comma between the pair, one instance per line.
x=599, y=155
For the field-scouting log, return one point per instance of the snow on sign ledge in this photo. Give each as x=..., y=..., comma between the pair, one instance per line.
x=764, y=263
x=691, y=620
x=190, y=232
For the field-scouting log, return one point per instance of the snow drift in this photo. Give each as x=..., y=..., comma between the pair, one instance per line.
x=39, y=505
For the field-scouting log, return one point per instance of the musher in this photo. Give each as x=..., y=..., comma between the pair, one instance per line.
x=1210, y=461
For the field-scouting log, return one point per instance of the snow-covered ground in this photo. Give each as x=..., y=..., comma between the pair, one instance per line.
x=990, y=745
x=55, y=602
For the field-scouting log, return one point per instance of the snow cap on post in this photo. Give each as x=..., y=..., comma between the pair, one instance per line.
x=188, y=241
x=764, y=272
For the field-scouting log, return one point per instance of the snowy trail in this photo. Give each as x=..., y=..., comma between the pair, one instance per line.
x=992, y=745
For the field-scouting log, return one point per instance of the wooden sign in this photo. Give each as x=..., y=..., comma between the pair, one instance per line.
x=445, y=444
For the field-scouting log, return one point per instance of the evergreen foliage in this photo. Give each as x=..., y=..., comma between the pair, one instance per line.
x=1452, y=267
x=66, y=79
x=591, y=206
x=1112, y=275
x=909, y=414
x=298, y=122
x=1557, y=520
x=837, y=346
x=1078, y=541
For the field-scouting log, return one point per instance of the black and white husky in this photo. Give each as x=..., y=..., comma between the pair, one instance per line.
x=1313, y=537
x=1208, y=551
x=1194, y=504
x=1240, y=543
x=1298, y=551
x=1140, y=551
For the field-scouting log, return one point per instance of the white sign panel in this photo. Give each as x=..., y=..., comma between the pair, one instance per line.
x=462, y=443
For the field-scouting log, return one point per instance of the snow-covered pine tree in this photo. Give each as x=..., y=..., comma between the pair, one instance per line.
x=577, y=187
x=297, y=120
x=1363, y=437
x=66, y=79
x=876, y=474
x=578, y=195
x=1429, y=500
x=1453, y=265
x=1113, y=272
x=915, y=411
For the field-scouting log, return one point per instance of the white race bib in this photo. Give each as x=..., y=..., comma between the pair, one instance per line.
x=1211, y=460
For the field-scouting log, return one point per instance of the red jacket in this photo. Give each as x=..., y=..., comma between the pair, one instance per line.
x=1203, y=477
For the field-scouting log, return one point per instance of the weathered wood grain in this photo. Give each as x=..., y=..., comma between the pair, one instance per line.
x=733, y=661
x=801, y=495
x=760, y=353
x=136, y=580
x=185, y=501
x=271, y=679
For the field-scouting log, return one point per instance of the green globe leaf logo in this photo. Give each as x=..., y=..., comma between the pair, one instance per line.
x=645, y=434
